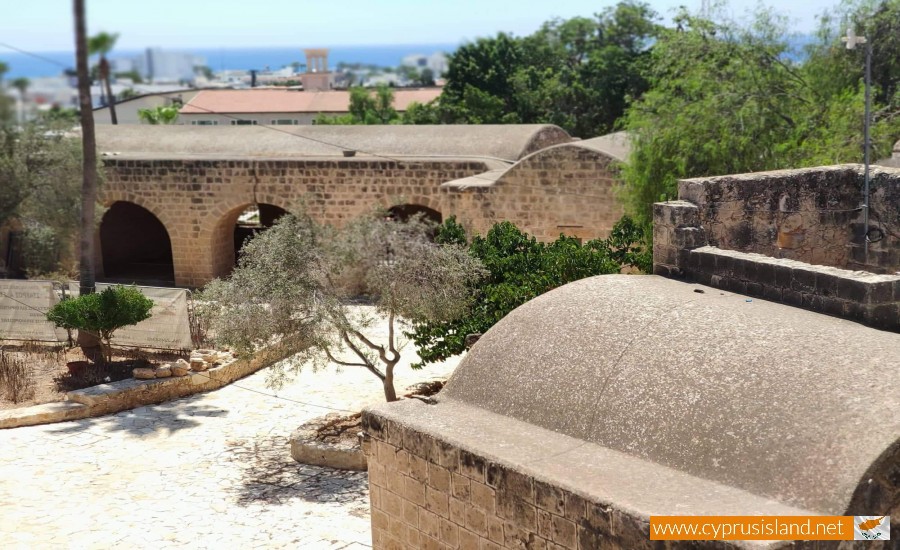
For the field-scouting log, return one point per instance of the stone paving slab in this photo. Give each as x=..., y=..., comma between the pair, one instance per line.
x=211, y=470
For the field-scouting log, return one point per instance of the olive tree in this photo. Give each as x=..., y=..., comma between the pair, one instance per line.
x=292, y=287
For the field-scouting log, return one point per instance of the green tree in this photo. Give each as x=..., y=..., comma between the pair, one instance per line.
x=367, y=106
x=577, y=73
x=101, y=44
x=164, y=114
x=286, y=292
x=102, y=314
x=21, y=84
x=521, y=268
x=6, y=111
x=764, y=112
x=40, y=171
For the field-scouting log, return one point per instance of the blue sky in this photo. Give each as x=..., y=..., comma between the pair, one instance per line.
x=46, y=25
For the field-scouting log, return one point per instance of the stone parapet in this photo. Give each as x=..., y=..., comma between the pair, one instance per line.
x=856, y=295
x=435, y=481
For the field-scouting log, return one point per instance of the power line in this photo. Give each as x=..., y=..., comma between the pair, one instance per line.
x=279, y=397
x=36, y=56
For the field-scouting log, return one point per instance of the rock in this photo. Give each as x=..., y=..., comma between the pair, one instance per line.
x=144, y=373
x=208, y=355
x=181, y=368
x=199, y=366
x=164, y=371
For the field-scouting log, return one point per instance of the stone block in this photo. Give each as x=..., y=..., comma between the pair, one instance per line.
x=689, y=237
x=883, y=316
x=852, y=290
x=881, y=292
x=483, y=496
x=826, y=283
x=784, y=274
x=438, y=477
x=550, y=498
x=792, y=297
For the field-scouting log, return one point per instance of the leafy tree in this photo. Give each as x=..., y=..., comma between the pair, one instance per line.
x=133, y=76
x=103, y=43
x=40, y=171
x=367, y=106
x=287, y=293
x=21, y=84
x=764, y=111
x=103, y=313
x=521, y=268
x=577, y=73
x=6, y=112
x=164, y=114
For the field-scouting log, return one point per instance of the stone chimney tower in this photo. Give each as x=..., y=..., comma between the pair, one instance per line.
x=317, y=76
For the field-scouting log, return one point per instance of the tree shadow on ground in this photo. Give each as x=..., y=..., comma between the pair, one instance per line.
x=166, y=418
x=269, y=475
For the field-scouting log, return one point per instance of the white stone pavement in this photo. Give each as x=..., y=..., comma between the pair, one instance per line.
x=208, y=471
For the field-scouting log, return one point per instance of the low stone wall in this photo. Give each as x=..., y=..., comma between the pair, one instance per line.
x=680, y=250
x=435, y=484
x=813, y=215
x=133, y=393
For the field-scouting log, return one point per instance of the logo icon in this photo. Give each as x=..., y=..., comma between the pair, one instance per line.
x=871, y=528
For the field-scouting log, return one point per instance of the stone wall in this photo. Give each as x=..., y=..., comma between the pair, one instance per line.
x=428, y=493
x=199, y=201
x=562, y=189
x=680, y=250
x=680, y=400
x=812, y=215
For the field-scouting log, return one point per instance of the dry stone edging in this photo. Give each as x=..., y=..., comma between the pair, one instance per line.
x=306, y=448
x=147, y=388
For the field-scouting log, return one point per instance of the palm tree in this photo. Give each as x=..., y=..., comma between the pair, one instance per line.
x=21, y=84
x=89, y=153
x=102, y=44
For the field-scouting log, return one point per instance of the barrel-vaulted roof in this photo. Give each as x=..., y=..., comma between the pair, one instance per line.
x=267, y=100
x=777, y=401
x=508, y=143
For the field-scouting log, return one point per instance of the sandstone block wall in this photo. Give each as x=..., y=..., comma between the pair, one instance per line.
x=680, y=250
x=563, y=189
x=429, y=493
x=199, y=201
x=812, y=215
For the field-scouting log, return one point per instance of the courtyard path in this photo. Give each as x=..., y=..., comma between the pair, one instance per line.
x=208, y=471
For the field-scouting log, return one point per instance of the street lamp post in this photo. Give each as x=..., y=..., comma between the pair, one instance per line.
x=852, y=40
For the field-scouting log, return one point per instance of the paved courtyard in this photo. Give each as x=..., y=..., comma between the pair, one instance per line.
x=208, y=471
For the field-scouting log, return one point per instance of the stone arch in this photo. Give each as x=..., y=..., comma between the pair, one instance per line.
x=403, y=212
x=224, y=239
x=135, y=246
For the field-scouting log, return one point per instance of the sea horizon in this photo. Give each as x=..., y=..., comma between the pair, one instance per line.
x=48, y=64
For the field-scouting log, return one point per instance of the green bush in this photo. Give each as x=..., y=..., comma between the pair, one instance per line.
x=102, y=313
x=521, y=268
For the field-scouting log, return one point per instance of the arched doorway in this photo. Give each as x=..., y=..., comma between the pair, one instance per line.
x=135, y=247
x=403, y=212
x=254, y=218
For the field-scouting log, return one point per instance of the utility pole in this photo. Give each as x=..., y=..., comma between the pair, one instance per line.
x=852, y=40
x=89, y=154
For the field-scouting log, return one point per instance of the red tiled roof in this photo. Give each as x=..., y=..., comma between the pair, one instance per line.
x=292, y=101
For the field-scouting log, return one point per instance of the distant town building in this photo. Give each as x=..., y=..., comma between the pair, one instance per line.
x=127, y=109
x=279, y=106
x=160, y=66
x=317, y=76
x=437, y=62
